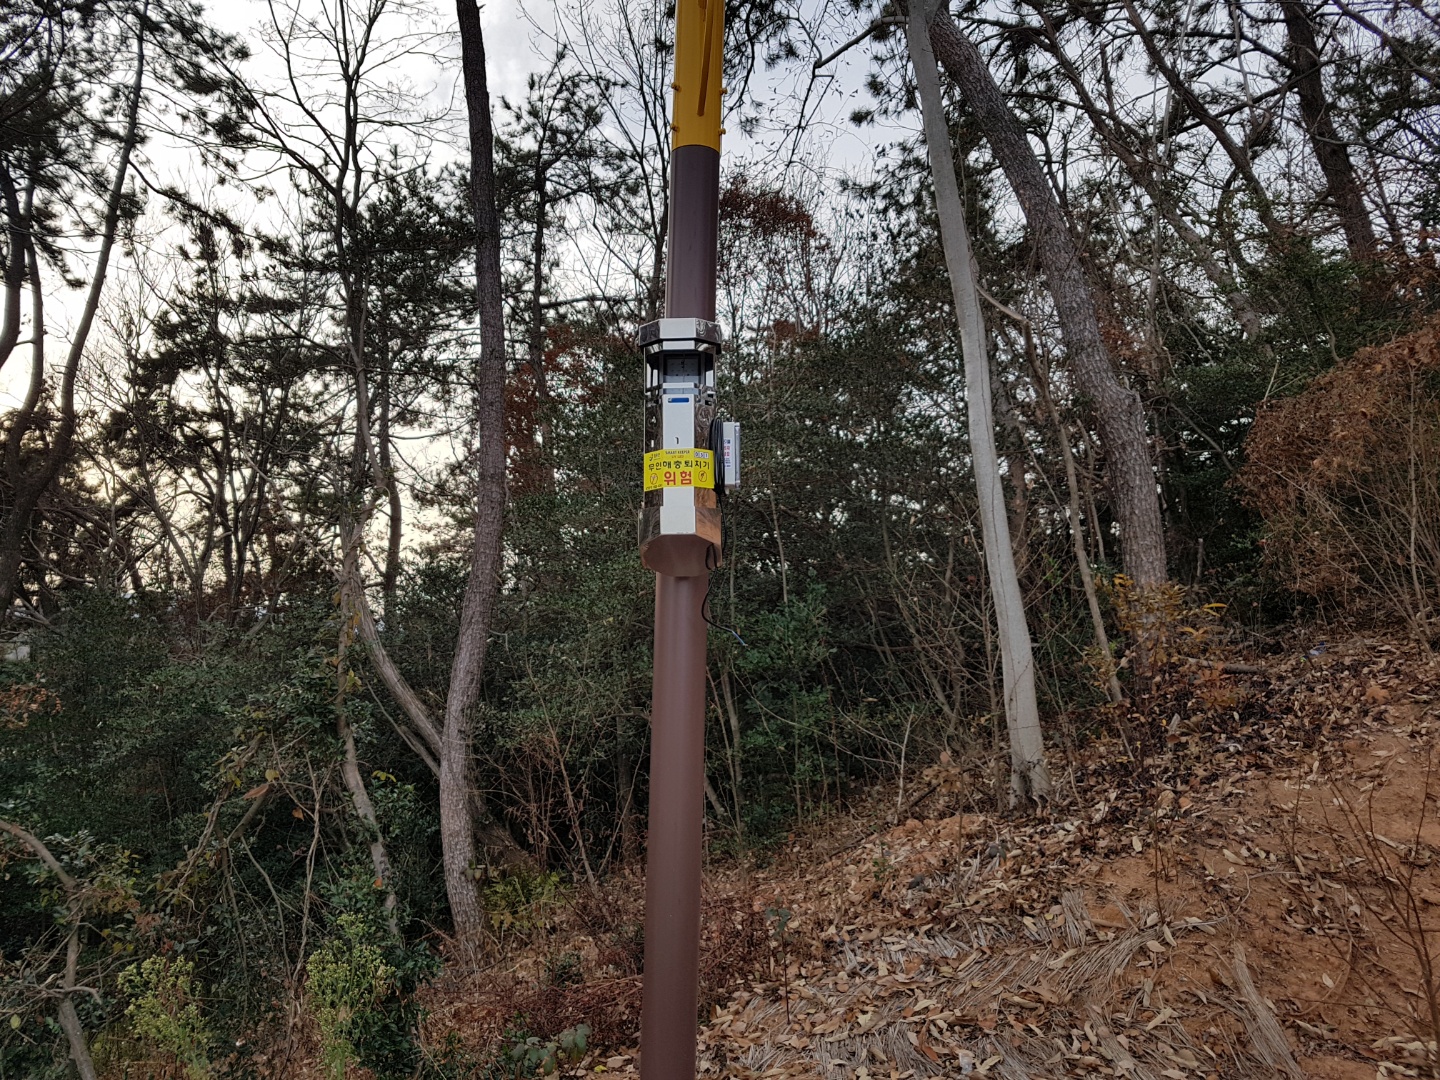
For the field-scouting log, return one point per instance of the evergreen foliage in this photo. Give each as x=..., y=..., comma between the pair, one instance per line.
x=188, y=695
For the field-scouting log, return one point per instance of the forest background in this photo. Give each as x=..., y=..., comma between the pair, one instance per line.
x=249, y=410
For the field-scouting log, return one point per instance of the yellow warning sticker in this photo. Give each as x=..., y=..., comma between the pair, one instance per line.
x=686, y=467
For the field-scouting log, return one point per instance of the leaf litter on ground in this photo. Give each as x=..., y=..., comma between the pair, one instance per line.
x=1145, y=924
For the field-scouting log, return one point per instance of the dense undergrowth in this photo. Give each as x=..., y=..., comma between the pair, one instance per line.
x=1237, y=877
x=199, y=758
x=208, y=905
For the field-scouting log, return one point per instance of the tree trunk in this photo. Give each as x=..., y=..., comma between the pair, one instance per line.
x=1018, y=504
x=535, y=347
x=417, y=729
x=29, y=488
x=420, y=730
x=365, y=811
x=69, y=1018
x=1028, y=775
x=350, y=764
x=1077, y=534
x=395, y=521
x=75, y=1035
x=18, y=216
x=624, y=792
x=488, y=421
x=1342, y=185
x=1118, y=411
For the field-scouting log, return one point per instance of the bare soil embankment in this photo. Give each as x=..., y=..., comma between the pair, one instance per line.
x=1238, y=878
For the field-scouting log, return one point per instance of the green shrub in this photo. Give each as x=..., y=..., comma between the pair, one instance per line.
x=523, y=899
x=164, y=1010
x=530, y=1055
x=564, y=969
x=347, y=978
x=361, y=985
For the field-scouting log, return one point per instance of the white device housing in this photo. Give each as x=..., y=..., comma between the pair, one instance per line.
x=730, y=455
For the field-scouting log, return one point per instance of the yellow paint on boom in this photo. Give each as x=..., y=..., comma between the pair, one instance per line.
x=699, y=56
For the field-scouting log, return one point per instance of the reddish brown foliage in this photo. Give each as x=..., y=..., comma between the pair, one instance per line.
x=596, y=978
x=1347, y=477
x=746, y=205
x=24, y=701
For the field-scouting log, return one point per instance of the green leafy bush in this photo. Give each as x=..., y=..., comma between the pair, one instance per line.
x=348, y=978
x=530, y=1055
x=523, y=899
x=361, y=986
x=165, y=1010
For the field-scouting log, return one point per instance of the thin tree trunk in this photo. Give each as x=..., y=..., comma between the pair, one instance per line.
x=1077, y=533
x=68, y=1017
x=355, y=780
x=19, y=214
x=624, y=787
x=1018, y=505
x=418, y=729
x=535, y=346
x=357, y=608
x=1342, y=185
x=28, y=490
x=1118, y=411
x=1092, y=509
x=655, y=290
x=488, y=422
x=395, y=523
x=732, y=715
x=365, y=811
x=1028, y=775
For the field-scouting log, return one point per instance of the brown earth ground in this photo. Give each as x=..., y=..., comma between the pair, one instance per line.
x=1237, y=878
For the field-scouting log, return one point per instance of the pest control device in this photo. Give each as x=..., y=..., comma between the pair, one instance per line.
x=691, y=457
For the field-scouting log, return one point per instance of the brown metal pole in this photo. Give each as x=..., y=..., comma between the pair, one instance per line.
x=668, y=1019
x=677, y=718
x=691, y=253
x=672, y=868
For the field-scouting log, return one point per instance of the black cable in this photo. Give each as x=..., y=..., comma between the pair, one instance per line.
x=709, y=568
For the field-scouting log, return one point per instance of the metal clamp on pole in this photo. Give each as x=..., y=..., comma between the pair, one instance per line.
x=680, y=517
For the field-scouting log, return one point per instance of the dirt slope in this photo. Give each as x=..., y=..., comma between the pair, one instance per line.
x=1236, y=880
